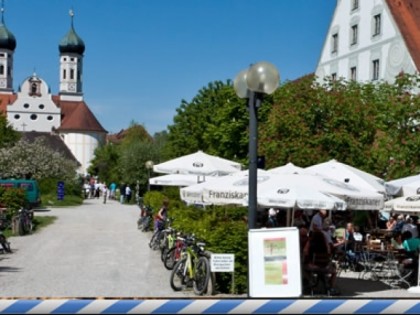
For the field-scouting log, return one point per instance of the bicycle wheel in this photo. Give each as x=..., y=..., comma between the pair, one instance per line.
x=155, y=241
x=178, y=275
x=201, y=276
x=5, y=244
x=170, y=259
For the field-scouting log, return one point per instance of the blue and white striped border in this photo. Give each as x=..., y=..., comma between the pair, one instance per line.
x=209, y=306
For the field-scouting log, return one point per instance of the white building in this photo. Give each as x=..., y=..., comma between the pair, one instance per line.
x=371, y=40
x=34, y=108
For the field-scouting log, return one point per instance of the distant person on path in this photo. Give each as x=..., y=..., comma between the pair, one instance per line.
x=122, y=192
x=105, y=192
x=112, y=189
x=128, y=193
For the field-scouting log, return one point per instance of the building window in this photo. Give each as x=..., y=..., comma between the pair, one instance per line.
x=17, y=116
x=334, y=47
x=353, y=73
x=50, y=118
x=65, y=59
x=334, y=76
x=34, y=117
x=71, y=74
x=1, y=69
x=64, y=74
x=2, y=55
x=375, y=69
x=41, y=106
x=354, y=5
x=377, y=25
x=71, y=59
x=26, y=105
x=354, y=34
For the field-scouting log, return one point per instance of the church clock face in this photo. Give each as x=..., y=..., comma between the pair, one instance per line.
x=72, y=87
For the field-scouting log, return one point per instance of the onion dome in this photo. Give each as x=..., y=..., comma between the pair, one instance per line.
x=7, y=39
x=72, y=43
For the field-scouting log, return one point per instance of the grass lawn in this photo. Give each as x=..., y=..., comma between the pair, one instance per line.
x=38, y=223
x=50, y=200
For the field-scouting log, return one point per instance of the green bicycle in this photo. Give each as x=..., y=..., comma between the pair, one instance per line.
x=193, y=269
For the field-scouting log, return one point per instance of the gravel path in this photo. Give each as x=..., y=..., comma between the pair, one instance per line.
x=93, y=250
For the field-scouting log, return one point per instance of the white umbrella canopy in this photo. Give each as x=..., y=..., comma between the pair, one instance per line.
x=224, y=190
x=233, y=189
x=178, y=180
x=405, y=186
x=407, y=205
x=198, y=163
x=348, y=174
x=312, y=189
x=288, y=168
x=300, y=197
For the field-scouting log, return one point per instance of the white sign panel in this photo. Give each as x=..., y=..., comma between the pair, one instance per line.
x=222, y=262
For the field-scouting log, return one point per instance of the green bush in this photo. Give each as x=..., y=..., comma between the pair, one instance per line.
x=12, y=199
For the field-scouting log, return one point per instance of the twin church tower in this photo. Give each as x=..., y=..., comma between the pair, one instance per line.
x=33, y=109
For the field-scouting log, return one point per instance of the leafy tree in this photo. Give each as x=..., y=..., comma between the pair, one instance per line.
x=8, y=136
x=215, y=121
x=105, y=163
x=35, y=160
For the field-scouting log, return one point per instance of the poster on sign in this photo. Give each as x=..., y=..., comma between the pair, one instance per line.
x=274, y=263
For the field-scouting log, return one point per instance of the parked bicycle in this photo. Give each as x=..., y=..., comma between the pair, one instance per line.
x=146, y=217
x=174, y=253
x=25, y=225
x=193, y=269
x=158, y=235
x=5, y=224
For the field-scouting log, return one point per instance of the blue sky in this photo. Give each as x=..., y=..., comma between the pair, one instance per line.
x=144, y=57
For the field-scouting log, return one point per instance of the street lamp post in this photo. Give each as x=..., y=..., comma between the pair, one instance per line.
x=259, y=79
x=149, y=166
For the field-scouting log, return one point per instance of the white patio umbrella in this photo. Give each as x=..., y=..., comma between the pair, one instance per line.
x=406, y=205
x=224, y=190
x=288, y=168
x=198, y=163
x=405, y=186
x=348, y=174
x=233, y=189
x=178, y=180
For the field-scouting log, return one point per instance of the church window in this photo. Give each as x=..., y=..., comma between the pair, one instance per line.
x=34, y=117
x=334, y=76
x=26, y=105
x=50, y=118
x=64, y=74
x=71, y=74
x=41, y=106
x=33, y=88
x=353, y=73
x=17, y=116
x=2, y=55
x=1, y=69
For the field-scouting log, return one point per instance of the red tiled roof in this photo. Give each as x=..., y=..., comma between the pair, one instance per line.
x=406, y=14
x=6, y=99
x=76, y=115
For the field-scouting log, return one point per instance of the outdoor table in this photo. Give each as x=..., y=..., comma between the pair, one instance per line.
x=383, y=264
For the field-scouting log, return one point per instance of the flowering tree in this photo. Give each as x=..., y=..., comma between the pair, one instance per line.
x=35, y=160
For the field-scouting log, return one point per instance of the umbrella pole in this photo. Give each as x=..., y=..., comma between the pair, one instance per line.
x=293, y=216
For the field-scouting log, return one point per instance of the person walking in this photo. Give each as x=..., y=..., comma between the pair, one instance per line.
x=122, y=192
x=105, y=192
x=128, y=193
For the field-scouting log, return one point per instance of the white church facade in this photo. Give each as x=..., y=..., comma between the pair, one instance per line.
x=34, y=109
x=371, y=41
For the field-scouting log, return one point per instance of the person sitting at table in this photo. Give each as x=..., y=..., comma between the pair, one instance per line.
x=391, y=223
x=396, y=241
x=410, y=244
x=410, y=226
